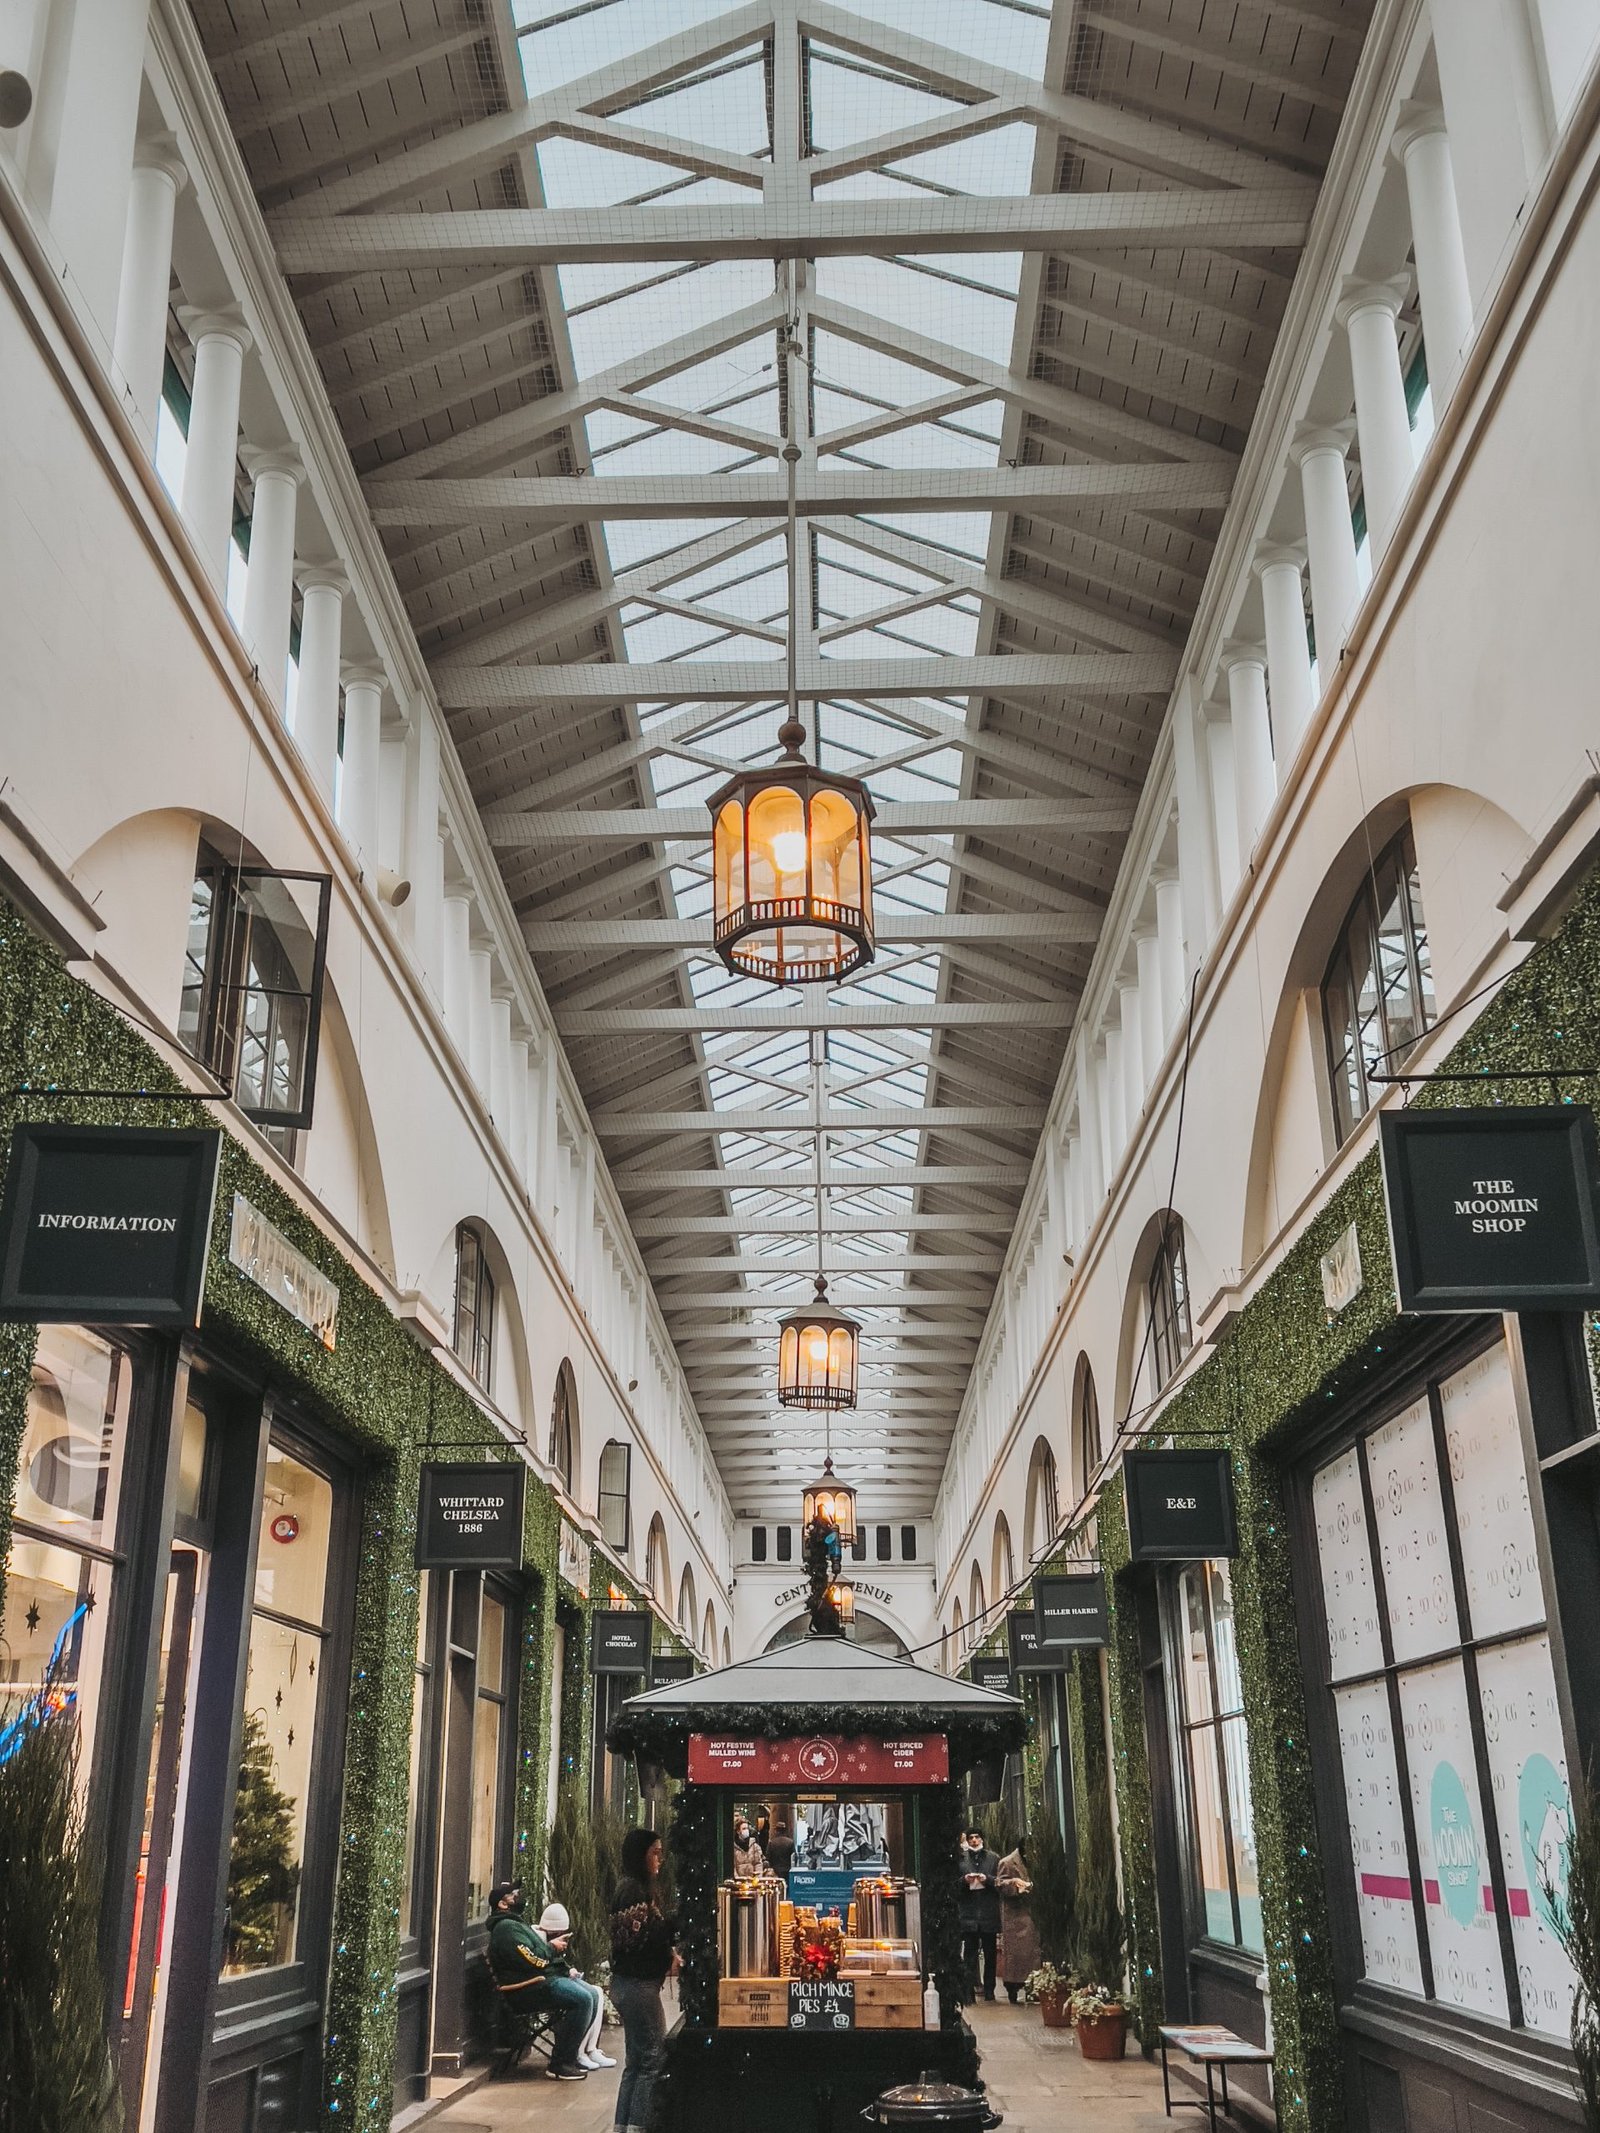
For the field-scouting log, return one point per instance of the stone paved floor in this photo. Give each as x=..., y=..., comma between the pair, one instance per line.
x=1034, y=2075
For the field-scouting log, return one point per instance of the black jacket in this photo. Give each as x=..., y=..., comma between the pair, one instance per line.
x=979, y=1908
x=641, y=1938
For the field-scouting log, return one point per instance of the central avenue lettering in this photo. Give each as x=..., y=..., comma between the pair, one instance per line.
x=1496, y=1208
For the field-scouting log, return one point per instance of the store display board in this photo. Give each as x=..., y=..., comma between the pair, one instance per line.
x=922, y=1759
x=822, y=2003
x=1493, y=1209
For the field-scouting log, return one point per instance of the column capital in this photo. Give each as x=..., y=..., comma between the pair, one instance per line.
x=1278, y=555
x=1418, y=122
x=281, y=459
x=322, y=577
x=1315, y=437
x=1242, y=652
x=159, y=152
x=1359, y=295
x=363, y=673
x=225, y=325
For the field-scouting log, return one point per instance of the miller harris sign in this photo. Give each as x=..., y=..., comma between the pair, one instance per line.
x=107, y=1223
x=1493, y=1210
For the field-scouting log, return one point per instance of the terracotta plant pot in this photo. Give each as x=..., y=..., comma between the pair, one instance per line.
x=1053, y=2006
x=1103, y=2036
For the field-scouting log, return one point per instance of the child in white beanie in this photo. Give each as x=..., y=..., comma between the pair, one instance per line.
x=556, y=1928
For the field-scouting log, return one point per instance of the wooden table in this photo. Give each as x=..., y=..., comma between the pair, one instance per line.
x=1208, y=2045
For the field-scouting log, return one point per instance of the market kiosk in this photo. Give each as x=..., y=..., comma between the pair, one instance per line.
x=804, y=1996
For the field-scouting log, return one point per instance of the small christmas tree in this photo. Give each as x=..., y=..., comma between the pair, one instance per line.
x=573, y=1872
x=262, y=1874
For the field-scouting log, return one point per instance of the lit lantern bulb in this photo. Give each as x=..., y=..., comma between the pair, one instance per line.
x=817, y=1348
x=789, y=852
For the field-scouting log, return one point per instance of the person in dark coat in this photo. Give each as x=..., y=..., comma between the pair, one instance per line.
x=642, y=1958
x=531, y=1978
x=979, y=1912
x=1019, y=1940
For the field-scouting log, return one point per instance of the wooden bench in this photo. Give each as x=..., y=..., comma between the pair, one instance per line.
x=1210, y=2046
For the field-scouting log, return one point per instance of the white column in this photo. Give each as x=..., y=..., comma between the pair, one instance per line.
x=1367, y=313
x=422, y=845
x=517, y=1125
x=210, y=470
x=457, y=954
x=140, y=348
x=394, y=760
x=269, y=583
x=1288, y=653
x=316, y=703
x=1152, y=1020
x=103, y=72
x=584, y=1265
x=1060, y=1219
x=1078, y=1212
x=1567, y=30
x=1196, y=848
x=1224, y=814
x=1480, y=61
x=1254, y=780
x=358, y=763
x=547, y=1132
x=1330, y=540
x=1134, y=1077
x=500, y=1066
x=1115, y=1093
x=1169, y=939
x=480, y=992
x=1100, y=1108
x=1424, y=149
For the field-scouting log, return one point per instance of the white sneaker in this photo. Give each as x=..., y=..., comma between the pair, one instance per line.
x=594, y=2061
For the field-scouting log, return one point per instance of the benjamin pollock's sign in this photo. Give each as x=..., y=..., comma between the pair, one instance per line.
x=1180, y=1506
x=1493, y=1210
x=470, y=1517
x=992, y=1670
x=107, y=1223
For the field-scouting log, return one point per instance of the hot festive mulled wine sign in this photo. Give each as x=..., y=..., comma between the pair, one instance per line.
x=1069, y=1608
x=107, y=1223
x=1180, y=1506
x=920, y=1759
x=1493, y=1210
x=470, y=1517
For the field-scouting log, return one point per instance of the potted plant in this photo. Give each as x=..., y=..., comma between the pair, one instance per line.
x=1052, y=1903
x=1099, y=2012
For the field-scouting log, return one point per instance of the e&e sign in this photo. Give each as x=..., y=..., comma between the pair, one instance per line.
x=1180, y=1505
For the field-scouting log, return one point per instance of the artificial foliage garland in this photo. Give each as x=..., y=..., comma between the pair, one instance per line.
x=693, y=1840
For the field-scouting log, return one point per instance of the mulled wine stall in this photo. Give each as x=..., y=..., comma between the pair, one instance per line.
x=808, y=1992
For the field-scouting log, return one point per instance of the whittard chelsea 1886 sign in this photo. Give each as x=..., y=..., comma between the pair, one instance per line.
x=1493, y=1210
x=470, y=1517
x=107, y=1223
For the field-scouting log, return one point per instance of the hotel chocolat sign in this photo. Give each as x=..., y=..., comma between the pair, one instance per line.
x=1493, y=1210
x=620, y=1641
x=470, y=1517
x=107, y=1223
x=1180, y=1506
x=1070, y=1608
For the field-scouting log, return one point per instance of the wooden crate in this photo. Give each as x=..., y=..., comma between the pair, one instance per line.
x=888, y=2002
x=753, y=2003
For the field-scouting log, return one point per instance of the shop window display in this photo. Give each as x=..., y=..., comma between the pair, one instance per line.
x=1450, y=1737
x=1216, y=1759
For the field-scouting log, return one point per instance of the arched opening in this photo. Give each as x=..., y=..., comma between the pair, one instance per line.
x=686, y=1605
x=1002, y=1566
x=976, y=1608
x=616, y=1495
x=870, y=1631
x=563, y=1453
x=1087, y=1446
x=657, y=1570
x=708, y=1643
x=957, y=1623
x=1157, y=1317
x=1042, y=1514
x=727, y=1649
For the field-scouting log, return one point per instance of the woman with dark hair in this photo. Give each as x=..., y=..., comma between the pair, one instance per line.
x=642, y=1958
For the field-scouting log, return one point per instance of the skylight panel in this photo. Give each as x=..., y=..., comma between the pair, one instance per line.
x=571, y=49
x=937, y=308
x=661, y=311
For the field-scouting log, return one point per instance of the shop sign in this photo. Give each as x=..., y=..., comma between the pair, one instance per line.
x=992, y=1671
x=670, y=1666
x=822, y=2003
x=1493, y=1210
x=1341, y=1272
x=619, y=1641
x=715, y=1759
x=1069, y=1608
x=1180, y=1506
x=576, y=1558
x=1028, y=1655
x=108, y=1224
x=264, y=1255
x=470, y=1517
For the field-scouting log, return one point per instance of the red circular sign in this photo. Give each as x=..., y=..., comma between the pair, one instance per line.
x=285, y=1527
x=818, y=1760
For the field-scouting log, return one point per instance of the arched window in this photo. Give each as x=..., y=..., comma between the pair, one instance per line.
x=1002, y=1568
x=657, y=1576
x=1167, y=1290
x=727, y=1649
x=1087, y=1448
x=1377, y=998
x=686, y=1605
x=616, y=1490
x=975, y=1603
x=1043, y=1511
x=955, y=1634
x=708, y=1643
x=473, y=1338
x=564, y=1427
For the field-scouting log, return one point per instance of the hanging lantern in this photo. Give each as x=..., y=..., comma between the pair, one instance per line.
x=817, y=1355
x=792, y=870
x=831, y=1502
x=842, y=1599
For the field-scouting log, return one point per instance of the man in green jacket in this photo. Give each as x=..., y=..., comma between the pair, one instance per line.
x=531, y=1978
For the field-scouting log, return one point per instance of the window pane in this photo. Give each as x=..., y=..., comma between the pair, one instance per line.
x=1490, y=1477
x=269, y=1815
x=296, y=1523
x=1366, y=1011
x=197, y=944
x=70, y=1473
x=1230, y=1689
x=1457, y=1900
x=1196, y=1665
x=56, y=1607
x=758, y=1544
x=1409, y=1513
x=1421, y=945
x=1403, y=1024
x=492, y=1644
x=1533, y=1811
x=1349, y=1595
x=481, y=1874
x=908, y=1542
x=1338, y=1007
x=191, y=1460
x=1384, y=1899
x=1241, y=1819
x=419, y=1712
x=1210, y=1825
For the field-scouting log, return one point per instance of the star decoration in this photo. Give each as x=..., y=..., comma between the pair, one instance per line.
x=32, y=1617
